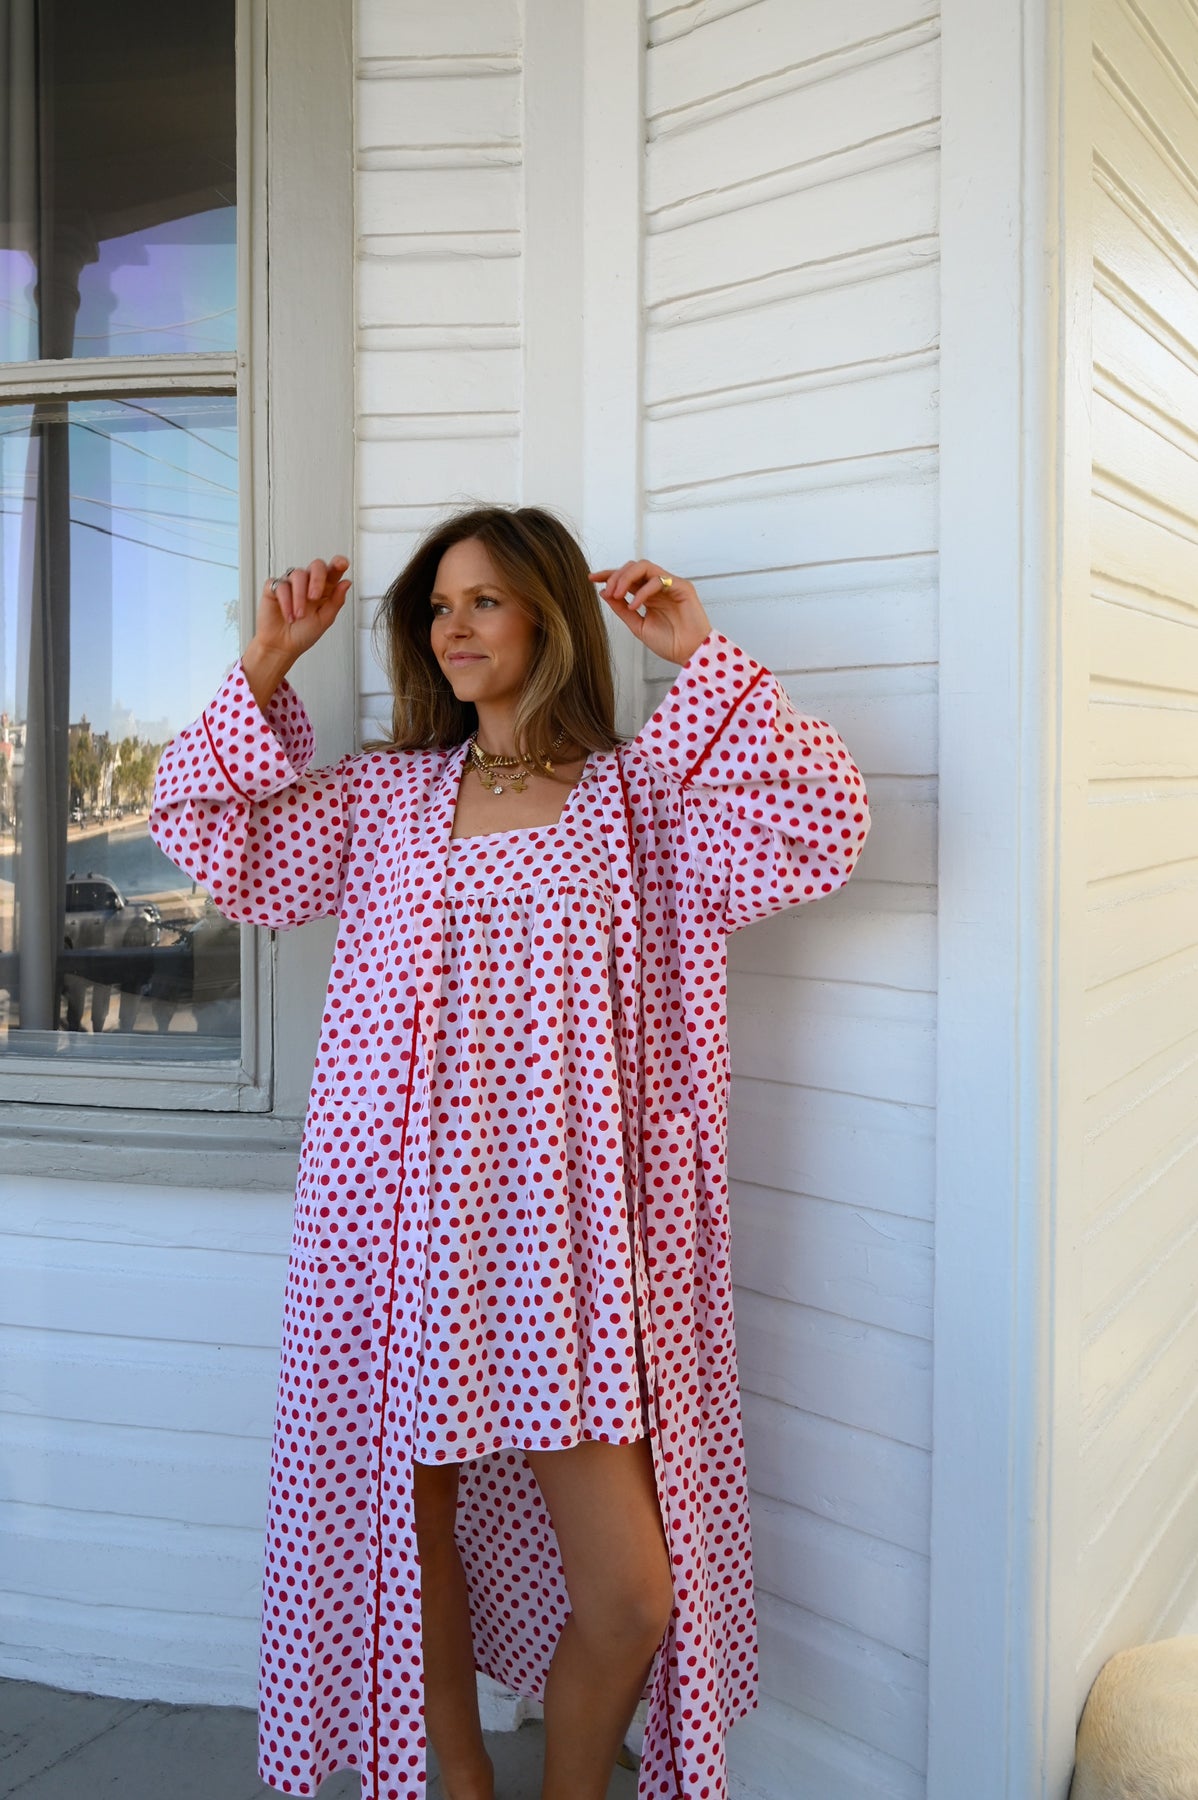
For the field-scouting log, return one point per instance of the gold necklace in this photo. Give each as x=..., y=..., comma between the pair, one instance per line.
x=487, y=765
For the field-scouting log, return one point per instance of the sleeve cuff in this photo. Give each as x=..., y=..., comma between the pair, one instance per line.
x=711, y=685
x=257, y=752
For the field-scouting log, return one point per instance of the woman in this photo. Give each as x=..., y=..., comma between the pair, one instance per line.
x=508, y=1432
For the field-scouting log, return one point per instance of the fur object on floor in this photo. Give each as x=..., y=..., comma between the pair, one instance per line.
x=1138, y=1737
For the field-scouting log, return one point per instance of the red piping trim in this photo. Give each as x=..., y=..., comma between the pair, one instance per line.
x=640, y=1072
x=220, y=761
x=378, y=1499
x=760, y=675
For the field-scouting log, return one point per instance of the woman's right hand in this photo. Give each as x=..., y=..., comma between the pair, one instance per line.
x=291, y=618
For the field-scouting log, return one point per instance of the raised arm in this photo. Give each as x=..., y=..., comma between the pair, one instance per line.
x=771, y=807
x=232, y=802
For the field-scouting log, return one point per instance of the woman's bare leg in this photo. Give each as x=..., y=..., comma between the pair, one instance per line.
x=450, y=1693
x=602, y=1500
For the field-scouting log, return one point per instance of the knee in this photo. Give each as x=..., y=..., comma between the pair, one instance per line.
x=627, y=1618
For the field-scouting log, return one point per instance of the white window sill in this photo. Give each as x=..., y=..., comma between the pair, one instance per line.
x=250, y=1152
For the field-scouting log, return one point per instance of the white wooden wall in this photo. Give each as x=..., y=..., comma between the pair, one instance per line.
x=790, y=376
x=440, y=207
x=139, y=1354
x=1139, y=1350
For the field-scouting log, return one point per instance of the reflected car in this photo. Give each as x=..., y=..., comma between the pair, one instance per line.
x=98, y=916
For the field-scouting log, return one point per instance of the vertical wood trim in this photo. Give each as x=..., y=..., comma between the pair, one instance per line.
x=552, y=253
x=308, y=355
x=1006, y=1124
x=612, y=349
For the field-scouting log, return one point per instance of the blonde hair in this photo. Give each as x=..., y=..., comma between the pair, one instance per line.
x=570, y=687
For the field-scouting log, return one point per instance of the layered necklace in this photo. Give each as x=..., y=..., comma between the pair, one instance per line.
x=490, y=767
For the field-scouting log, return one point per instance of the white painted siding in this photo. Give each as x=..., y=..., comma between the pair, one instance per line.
x=1139, y=1351
x=790, y=465
x=440, y=203
x=139, y=1351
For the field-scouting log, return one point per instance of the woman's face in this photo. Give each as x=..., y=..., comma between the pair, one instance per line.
x=480, y=634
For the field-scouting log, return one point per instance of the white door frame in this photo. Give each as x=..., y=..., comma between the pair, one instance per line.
x=1014, y=485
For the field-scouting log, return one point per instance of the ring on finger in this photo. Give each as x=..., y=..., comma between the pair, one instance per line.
x=275, y=580
x=667, y=581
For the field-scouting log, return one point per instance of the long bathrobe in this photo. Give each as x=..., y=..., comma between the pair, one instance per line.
x=726, y=806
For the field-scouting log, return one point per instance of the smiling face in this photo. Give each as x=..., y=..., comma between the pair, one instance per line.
x=481, y=636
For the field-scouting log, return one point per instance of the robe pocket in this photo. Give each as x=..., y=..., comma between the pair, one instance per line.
x=334, y=1187
x=671, y=1147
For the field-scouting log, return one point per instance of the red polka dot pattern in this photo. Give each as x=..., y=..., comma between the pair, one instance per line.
x=725, y=807
x=528, y=1338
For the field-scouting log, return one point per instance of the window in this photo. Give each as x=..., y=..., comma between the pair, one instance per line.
x=147, y=411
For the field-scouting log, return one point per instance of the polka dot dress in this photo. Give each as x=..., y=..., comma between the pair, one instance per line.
x=528, y=1336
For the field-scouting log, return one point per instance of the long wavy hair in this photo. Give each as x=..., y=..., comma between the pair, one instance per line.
x=570, y=687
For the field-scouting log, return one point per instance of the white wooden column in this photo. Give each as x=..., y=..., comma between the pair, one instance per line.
x=581, y=334
x=1014, y=394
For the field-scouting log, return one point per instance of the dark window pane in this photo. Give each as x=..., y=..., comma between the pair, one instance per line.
x=117, y=179
x=118, y=618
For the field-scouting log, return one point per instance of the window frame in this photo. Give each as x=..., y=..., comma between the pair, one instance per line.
x=294, y=194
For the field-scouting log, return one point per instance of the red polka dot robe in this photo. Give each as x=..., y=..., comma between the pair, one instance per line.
x=727, y=806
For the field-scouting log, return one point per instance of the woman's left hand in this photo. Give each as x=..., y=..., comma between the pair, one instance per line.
x=673, y=624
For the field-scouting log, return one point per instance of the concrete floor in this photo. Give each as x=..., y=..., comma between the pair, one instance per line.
x=60, y=1746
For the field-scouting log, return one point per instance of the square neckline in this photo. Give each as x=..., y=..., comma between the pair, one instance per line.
x=478, y=837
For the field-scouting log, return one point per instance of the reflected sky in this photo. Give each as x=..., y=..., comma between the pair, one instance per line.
x=167, y=290
x=153, y=558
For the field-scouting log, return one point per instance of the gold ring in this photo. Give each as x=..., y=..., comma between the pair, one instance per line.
x=667, y=581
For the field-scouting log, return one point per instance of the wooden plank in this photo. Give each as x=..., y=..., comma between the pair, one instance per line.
x=872, y=1266
x=153, y=1564
x=813, y=225
x=1148, y=553
x=105, y=1380
x=1134, y=921
x=854, y=1478
x=883, y=508
x=1135, y=829
x=724, y=52
x=849, y=936
x=857, y=1040
x=446, y=472
x=1160, y=189
x=778, y=1750
x=429, y=199
x=1116, y=1353
x=451, y=28
x=865, y=413
x=1139, y=648
x=1130, y=741
x=1131, y=1574
x=422, y=290
x=863, y=1375
x=151, y=1294
x=1123, y=1245
x=132, y=1473
x=832, y=326
x=1124, y=247
x=845, y=1679
x=1138, y=1016
x=1122, y=1440
x=823, y=618
x=481, y=108
x=799, y=124
x=833, y=1146
x=1127, y=352
x=865, y=1583
x=1131, y=1125
x=436, y=381
x=1146, y=458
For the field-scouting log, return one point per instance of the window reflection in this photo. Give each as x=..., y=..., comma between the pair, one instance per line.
x=118, y=617
x=117, y=179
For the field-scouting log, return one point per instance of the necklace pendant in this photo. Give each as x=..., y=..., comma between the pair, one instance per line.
x=518, y=782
